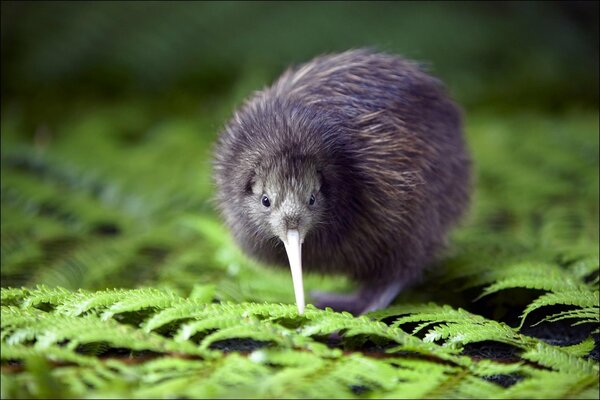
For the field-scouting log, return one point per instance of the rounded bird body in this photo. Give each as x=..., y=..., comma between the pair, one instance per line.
x=359, y=153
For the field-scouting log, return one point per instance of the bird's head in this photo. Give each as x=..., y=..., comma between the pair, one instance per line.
x=284, y=201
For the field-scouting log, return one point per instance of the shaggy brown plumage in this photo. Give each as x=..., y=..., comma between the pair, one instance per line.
x=361, y=152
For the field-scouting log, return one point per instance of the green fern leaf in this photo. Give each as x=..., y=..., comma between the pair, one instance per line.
x=139, y=299
x=580, y=298
x=585, y=315
x=554, y=283
x=559, y=360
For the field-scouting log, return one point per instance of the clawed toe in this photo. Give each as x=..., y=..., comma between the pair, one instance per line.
x=338, y=302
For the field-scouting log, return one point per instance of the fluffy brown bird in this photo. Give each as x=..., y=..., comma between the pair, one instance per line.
x=353, y=163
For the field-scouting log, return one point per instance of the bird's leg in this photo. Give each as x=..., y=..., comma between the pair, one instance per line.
x=339, y=302
x=368, y=297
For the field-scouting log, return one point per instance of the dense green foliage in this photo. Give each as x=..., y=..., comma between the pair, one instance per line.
x=119, y=279
x=172, y=343
x=123, y=216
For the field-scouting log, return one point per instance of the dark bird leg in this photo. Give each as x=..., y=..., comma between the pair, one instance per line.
x=368, y=297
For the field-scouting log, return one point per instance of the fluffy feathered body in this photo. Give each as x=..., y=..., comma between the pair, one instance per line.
x=378, y=145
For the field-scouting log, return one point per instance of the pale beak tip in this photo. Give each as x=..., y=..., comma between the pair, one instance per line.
x=293, y=247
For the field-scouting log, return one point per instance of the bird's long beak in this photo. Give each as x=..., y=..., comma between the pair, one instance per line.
x=293, y=247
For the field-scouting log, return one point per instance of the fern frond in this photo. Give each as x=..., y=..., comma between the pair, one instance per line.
x=15, y=323
x=559, y=360
x=286, y=358
x=85, y=301
x=328, y=322
x=256, y=331
x=584, y=315
x=552, y=384
x=139, y=299
x=486, y=368
x=50, y=329
x=469, y=386
x=419, y=379
x=580, y=349
x=459, y=334
x=243, y=377
x=207, y=323
x=46, y=295
x=586, y=299
x=192, y=308
x=13, y=296
x=555, y=283
x=356, y=369
x=457, y=326
x=53, y=353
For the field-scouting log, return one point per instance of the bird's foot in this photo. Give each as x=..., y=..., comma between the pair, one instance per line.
x=367, y=298
x=338, y=302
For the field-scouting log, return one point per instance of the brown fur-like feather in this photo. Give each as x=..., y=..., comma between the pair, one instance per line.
x=379, y=143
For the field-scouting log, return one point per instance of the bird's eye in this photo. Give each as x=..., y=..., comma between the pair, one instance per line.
x=312, y=200
x=265, y=201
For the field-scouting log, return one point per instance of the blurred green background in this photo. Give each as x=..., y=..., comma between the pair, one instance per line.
x=109, y=111
x=510, y=53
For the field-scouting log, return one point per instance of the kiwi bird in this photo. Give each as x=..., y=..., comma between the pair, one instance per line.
x=353, y=163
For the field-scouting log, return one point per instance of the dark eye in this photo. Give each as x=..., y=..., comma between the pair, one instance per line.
x=312, y=200
x=265, y=201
